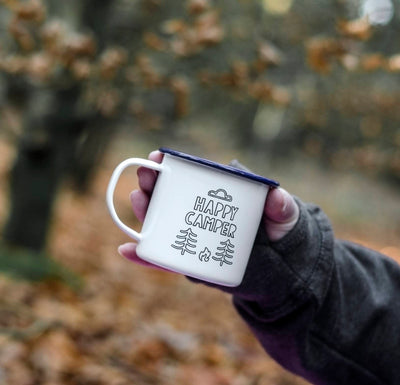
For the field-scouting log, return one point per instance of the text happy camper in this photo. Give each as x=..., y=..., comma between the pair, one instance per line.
x=214, y=216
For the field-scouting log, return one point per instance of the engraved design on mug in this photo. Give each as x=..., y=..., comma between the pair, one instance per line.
x=220, y=194
x=225, y=253
x=186, y=241
x=205, y=255
x=213, y=213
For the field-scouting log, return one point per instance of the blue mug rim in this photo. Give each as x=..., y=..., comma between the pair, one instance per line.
x=221, y=167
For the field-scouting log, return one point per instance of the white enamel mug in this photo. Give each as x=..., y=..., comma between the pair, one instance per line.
x=202, y=219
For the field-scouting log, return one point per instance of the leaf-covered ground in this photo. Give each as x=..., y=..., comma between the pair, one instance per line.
x=126, y=324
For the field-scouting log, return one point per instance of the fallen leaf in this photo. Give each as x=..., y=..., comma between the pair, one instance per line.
x=393, y=63
x=357, y=29
x=55, y=354
x=323, y=51
x=373, y=62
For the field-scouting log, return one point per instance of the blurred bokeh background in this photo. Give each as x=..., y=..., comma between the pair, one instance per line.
x=302, y=91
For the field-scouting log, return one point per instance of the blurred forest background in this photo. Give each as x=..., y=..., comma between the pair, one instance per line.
x=302, y=91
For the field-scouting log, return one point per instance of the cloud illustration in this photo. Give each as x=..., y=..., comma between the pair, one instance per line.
x=220, y=194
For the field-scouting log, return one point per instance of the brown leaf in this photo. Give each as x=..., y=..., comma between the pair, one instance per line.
x=180, y=88
x=206, y=78
x=111, y=61
x=147, y=72
x=11, y=351
x=101, y=374
x=372, y=62
x=281, y=96
x=52, y=33
x=174, y=26
x=40, y=66
x=195, y=7
x=208, y=29
x=149, y=354
x=81, y=69
x=108, y=102
x=153, y=41
x=53, y=310
x=32, y=10
x=322, y=51
x=358, y=29
x=76, y=46
x=202, y=375
x=22, y=35
x=14, y=64
x=19, y=374
x=55, y=354
x=393, y=63
x=261, y=90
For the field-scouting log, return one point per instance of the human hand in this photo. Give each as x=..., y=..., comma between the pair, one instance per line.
x=280, y=211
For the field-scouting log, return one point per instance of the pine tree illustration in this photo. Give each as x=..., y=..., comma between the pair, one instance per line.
x=186, y=241
x=225, y=253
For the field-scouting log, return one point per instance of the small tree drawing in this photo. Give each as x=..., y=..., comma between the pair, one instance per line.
x=186, y=241
x=225, y=253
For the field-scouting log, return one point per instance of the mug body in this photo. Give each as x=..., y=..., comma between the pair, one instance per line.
x=202, y=221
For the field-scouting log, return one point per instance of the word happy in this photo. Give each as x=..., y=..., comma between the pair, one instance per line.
x=213, y=216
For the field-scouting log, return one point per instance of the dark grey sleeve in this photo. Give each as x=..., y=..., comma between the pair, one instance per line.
x=324, y=309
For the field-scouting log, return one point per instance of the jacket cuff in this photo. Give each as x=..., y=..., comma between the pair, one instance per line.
x=283, y=275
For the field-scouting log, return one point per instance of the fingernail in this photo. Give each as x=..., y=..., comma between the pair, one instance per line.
x=153, y=153
x=285, y=201
x=133, y=193
x=288, y=208
x=123, y=249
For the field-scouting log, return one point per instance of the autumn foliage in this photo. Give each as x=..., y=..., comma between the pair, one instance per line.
x=275, y=78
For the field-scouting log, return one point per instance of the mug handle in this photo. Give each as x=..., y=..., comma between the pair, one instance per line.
x=113, y=183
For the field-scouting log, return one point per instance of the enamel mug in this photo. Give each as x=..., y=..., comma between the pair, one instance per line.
x=202, y=219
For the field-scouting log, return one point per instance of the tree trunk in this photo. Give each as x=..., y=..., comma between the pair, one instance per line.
x=44, y=152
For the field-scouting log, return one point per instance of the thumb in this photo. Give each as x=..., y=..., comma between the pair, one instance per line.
x=280, y=214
